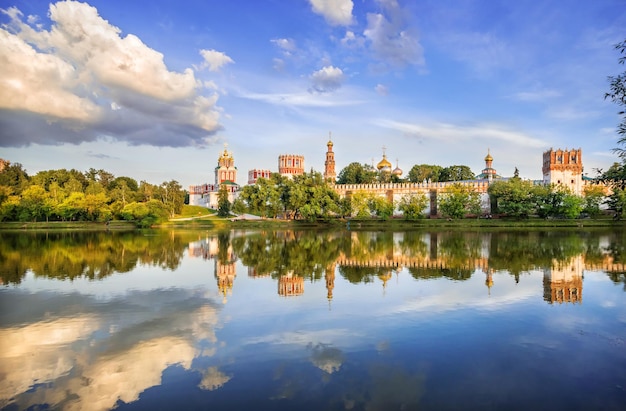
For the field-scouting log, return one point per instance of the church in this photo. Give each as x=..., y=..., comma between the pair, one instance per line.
x=207, y=195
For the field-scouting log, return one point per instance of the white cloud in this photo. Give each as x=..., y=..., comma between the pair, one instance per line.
x=335, y=12
x=327, y=79
x=214, y=60
x=452, y=133
x=40, y=83
x=393, y=41
x=288, y=46
x=351, y=40
x=73, y=79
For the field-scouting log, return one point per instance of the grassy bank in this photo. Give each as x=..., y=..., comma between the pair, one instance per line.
x=211, y=221
x=68, y=225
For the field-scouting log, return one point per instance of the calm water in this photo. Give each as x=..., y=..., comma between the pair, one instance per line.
x=313, y=320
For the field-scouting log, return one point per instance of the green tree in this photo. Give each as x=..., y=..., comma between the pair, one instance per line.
x=412, y=206
x=239, y=206
x=514, y=198
x=146, y=214
x=459, y=200
x=35, y=204
x=223, y=204
x=310, y=197
x=557, y=201
x=456, y=173
x=73, y=207
x=359, y=203
x=617, y=94
x=172, y=196
x=424, y=172
x=15, y=177
x=356, y=173
x=382, y=207
x=594, y=195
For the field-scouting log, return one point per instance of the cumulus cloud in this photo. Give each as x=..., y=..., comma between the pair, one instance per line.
x=287, y=46
x=327, y=79
x=392, y=39
x=79, y=75
x=214, y=59
x=335, y=12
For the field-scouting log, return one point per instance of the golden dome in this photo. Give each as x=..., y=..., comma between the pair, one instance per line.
x=330, y=143
x=384, y=163
x=488, y=157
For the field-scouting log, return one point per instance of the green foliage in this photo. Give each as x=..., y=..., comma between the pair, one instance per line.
x=424, y=172
x=359, y=203
x=146, y=214
x=382, y=207
x=356, y=173
x=456, y=173
x=556, y=201
x=514, y=198
x=617, y=94
x=459, y=200
x=15, y=177
x=615, y=176
x=413, y=206
x=223, y=205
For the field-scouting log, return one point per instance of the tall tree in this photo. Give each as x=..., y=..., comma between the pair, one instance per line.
x=356, y=173
x=15, y=177
x=456, y=173
x=459, y=200
x=223, y=205
x=424, y=172
x=617, y=94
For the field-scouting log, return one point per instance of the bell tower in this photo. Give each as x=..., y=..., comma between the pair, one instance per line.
x=329, y=164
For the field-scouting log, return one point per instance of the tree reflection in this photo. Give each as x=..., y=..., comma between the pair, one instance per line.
x=91, y=255
x=303, y=253
x=361, y=256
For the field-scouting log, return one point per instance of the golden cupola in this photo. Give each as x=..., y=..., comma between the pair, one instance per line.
x=384, y=164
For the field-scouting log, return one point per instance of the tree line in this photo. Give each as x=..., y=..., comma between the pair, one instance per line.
x=95, y=195
x=357, y=173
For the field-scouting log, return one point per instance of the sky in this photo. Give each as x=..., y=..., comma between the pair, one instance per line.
x=154, y=90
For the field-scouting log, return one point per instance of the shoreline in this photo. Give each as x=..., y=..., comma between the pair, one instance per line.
x=351, y=224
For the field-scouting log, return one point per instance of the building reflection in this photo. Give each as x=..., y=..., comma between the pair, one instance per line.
x=219, y=249
x=290, y=258
x=563, y=282
x=290, y=285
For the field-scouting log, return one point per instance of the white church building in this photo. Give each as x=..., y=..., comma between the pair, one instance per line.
x=206, y=195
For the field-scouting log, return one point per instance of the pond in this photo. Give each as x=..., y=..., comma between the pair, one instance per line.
x=313, y=320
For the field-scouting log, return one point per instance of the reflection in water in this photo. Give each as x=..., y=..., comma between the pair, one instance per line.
x=364, y=257
x=140, y=308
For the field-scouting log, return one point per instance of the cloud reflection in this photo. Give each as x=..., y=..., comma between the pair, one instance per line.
x=107, y=351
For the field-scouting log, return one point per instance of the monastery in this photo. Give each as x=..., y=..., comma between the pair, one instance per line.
x=560, y=167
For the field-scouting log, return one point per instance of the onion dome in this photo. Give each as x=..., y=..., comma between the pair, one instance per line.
x=488, y=157
x=330, y=143
x=397, y=171
x=384, y=164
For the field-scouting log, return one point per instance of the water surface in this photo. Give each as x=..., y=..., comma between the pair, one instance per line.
x=312, y=320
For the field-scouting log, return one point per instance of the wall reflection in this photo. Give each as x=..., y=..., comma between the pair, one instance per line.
x=291, y=257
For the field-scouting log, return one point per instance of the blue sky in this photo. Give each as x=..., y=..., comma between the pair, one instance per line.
x=154, y=90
